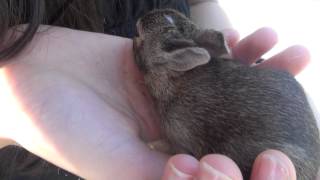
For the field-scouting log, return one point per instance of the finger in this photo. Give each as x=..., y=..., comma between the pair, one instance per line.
x=218, y=167
x=231, y=36
x=273, y=164
x=181, y=167
x=255, y=45
x=293, y=60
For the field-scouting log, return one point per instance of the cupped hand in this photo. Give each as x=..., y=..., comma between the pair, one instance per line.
x=77, y=99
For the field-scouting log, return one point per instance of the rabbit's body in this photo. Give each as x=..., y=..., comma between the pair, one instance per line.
x=225, y=107
x=240, y=112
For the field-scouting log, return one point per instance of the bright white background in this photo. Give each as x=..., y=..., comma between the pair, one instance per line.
x=295, y=21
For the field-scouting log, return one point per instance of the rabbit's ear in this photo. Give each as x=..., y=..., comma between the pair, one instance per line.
x=137, y=43
x=187, y=58
x=177, y=43
x=138, y=58
x=213, y=41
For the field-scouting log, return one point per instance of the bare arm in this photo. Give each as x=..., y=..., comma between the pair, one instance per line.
x=60, y=99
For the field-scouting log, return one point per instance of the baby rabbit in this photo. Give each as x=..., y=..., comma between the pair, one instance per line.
x=211, y=104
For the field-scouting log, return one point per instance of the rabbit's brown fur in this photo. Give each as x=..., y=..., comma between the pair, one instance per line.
x=210, y=104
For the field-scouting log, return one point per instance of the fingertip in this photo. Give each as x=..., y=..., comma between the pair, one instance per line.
x=268, y=34
x=300, y=53
x=181, y=167
x=251, y=48
x=214, y=166
x=293, y=60
x=300, y=56
x=185, y=163
x=232, y=37
x=273, y=164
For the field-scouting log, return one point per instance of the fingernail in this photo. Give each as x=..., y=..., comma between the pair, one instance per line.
x=212, y=173
x=178, y=175
x=272, y=169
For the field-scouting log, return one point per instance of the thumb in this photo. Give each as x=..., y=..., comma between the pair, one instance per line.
x=273, y=164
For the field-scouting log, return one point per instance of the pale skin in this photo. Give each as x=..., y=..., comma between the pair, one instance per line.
x=75, y=99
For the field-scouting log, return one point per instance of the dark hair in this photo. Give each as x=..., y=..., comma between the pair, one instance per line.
x=77, y=14
x=115, y=17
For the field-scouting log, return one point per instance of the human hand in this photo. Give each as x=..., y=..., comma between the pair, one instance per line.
x=269, y=165
x=69, y=84
x=293, y=59
x=65, y=99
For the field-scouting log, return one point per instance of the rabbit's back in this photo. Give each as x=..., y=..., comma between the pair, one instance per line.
x=224, y=107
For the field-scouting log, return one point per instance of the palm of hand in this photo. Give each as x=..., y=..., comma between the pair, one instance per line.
x=75, y=82
x=82, y=90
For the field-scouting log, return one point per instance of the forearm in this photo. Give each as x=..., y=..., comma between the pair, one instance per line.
x=209, y=14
